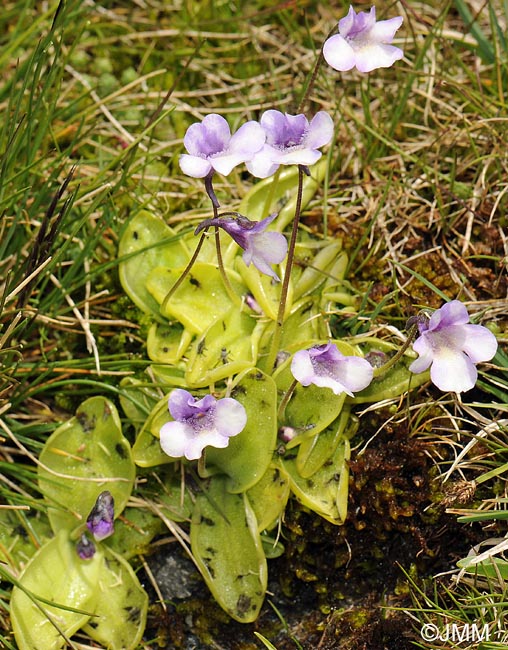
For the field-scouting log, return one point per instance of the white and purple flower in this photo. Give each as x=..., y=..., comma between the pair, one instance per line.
x=290, y=140
x=260, y=247
x=200, y=423
x=325, y=366
x=451, y=346
x=363, y=43
x=101, y=520
x=211, y=147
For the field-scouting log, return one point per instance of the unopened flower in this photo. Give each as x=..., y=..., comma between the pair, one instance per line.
x=197, y=424
x=451, y=346
x=325, y=366
x=100, y=521
x=211, y=147
x=252, y=303
x=363, y=43
x=290, y=140
x=260, y=247
x=85, y=548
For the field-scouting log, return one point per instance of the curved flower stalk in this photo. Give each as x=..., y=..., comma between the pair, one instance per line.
x=363, y=43
x=451, y=346
x=260, y=247
x=197, y=424
x=325, y=366
x=290, y=140
x=211, y=147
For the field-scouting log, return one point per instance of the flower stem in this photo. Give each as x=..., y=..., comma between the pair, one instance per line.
x=310, y=84
x=235, y=298
x=184, y=273
x=379, y=372
x=285, y=400
x=317, y=65
x=211, y=192
x=272, y=355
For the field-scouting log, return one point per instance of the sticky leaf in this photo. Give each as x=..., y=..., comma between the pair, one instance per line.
x=248, y=455
x=315, y=451
x=268, y=497
x=227, y=347
x=325, y=492
x=147, y=243
x=147, y=450
x=137, y=399
x=83, y=457
x=56, y=574
x=200, y=299
x=121, y=605
x=318, y=271
x=21, y=535
x=228, y=550
x=265, y=289
x=167, y=343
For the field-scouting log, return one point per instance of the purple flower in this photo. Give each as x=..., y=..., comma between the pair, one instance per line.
x=290, y=140
x=200, y=423
x=451, y=347
x=363, y=43
x=327, y=367
x=211, y=147
x=100, y=521
x=260, y=247
x=85, y=548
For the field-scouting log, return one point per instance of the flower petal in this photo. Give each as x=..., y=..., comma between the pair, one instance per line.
x=453, y=371
x=230, y=417
x=377, y=55
x=301, y=367
x=346, y=23
x=356, y=374
x=298, y=157
x=451, y=313
x=320, y=130
x=195, y=445
x=248, y=140
x=325, y=366
x=284, y=131
x=262, y=164
x=384, y=30
x=266, y=249
x=175, y=437
x=249, y=257
x=322, y=381
x=180, y=404
x=210, y=136
x=338, y=53
x=194, y=166
x=271, y=246
x=261, y=226
x=226, y=162
x=480, y=343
